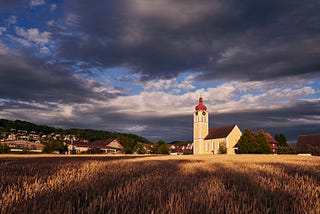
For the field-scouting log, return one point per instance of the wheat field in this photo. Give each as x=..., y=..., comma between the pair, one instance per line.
x=160, y=184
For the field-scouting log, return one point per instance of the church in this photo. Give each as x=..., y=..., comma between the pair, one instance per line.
x=214, y=140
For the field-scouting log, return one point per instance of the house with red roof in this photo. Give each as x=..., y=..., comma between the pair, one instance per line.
x=309, y=144
x=110, y=146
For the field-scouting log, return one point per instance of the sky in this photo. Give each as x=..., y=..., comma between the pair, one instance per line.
x=140, y=66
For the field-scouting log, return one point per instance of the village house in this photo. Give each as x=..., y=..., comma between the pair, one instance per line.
x=308, y=144
x=181, y=149
x=22, y=145
x=111, y=146
x=211, y=141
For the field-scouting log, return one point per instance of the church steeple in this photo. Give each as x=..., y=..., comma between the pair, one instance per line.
x=200, y=127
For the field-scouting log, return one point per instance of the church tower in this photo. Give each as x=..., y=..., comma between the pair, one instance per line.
x=200, y=127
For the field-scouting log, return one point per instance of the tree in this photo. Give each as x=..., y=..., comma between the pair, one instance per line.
x=263, y=147
x=246, y=143
x=281, y=139
x=253, y=144
x=160, y=147
x=283, y=146
x=222, y=148
x=53, y=146
x=313, y=150
x=139, y=148
x=4, y=149
x=163, y=149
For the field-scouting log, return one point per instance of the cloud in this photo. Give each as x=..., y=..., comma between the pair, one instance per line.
x=29, y=79
x=2, y=30
x=224, y=98
x=11, y=20
x=218, y=40
x=53, y=7
x=34, y=35
x=37, y=2
x=155, y=114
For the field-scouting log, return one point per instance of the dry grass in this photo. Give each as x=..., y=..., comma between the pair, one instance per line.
x=160, y=184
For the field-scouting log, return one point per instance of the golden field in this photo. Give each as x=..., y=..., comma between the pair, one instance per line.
x=160, y=184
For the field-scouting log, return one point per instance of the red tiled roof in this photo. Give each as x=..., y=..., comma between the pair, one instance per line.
x=304, y=140
x=101, y=144
x=82, y=144
x=220, y=132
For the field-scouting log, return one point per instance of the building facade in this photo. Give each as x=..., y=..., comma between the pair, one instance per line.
x=215, y=140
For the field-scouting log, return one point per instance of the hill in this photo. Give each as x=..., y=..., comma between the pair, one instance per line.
x=129, y=141
x=181, y=143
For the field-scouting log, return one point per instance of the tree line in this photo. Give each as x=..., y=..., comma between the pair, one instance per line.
x=250, y=143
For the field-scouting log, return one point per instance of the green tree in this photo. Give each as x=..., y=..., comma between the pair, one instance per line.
x=262, y=145
x=163, y=149
x=128, y=150
x=4, y=149
x=139, y=148
x=281, y=139
x=53, y=146
x=283, y=146
x=222, y=148
x=160, y=147
x=253, y=144
x=313, y=150
x=246, y=143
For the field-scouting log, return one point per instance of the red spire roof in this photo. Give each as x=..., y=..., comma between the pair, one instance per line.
x=201, y=106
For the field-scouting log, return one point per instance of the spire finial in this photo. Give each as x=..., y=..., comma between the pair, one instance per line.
x=201, y=106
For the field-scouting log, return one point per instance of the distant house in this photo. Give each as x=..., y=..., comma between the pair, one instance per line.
x=309, y=144
x=273, y=143
x=111, y=146
x=78, y=148
x=181, y=149
x=21, y=145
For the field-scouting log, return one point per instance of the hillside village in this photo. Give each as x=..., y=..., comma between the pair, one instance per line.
x=83, y=142
x=24, y=139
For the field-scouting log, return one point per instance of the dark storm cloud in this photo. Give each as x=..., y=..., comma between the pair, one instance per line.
x=5, y=4
x=251, y=40
x=31, y=79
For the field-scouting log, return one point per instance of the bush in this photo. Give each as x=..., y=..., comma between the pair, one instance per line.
x=222, y=148
x=4, y=149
